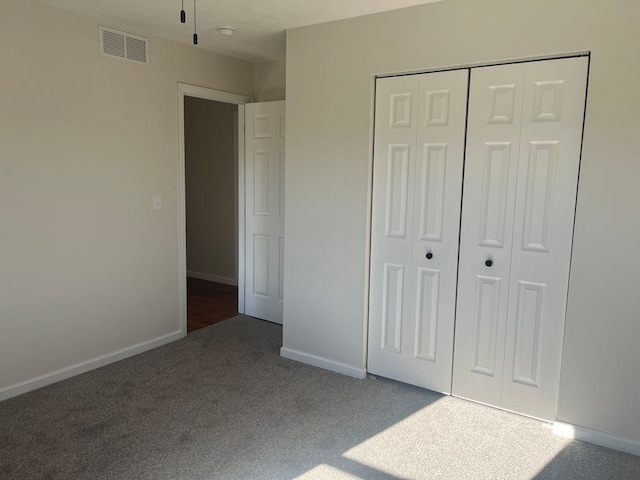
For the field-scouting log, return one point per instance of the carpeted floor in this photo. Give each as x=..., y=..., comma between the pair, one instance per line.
x=222, y=404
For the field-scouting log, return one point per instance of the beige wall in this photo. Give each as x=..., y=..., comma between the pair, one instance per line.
x=86, y=267
x=269, y=81
x=211, y=188
x=330, y=71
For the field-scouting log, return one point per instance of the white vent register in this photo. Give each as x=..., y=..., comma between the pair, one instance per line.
x=117, y=44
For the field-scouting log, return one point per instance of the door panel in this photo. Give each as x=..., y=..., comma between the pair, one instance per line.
x=520, y=196
x=551, y=139
x=418, y=159
x=264, y=205
x=392, y=228
x=493, y=136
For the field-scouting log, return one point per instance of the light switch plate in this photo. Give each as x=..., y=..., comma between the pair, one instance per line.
x=157, y=203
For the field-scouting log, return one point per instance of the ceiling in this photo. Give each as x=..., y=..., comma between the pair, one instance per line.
x=260, y=24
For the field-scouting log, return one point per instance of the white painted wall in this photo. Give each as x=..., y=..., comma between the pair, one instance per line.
x=86, y=267
x=211, y=189
x=330, y=70
x=269, y=81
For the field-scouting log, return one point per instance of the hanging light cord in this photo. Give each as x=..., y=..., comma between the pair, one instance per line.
x=195, y=29
x=183, y=14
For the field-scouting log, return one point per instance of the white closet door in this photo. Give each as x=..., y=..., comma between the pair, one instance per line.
x=510, y=318
x=493, y=135
x=264, y=209
x=550, y=144
x=419, y=134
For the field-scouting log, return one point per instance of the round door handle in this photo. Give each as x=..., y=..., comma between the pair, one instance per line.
x=429, y=255
x=488, y=263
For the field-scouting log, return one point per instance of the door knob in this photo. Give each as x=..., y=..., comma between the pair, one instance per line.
x=429, y=255
x=488, y=263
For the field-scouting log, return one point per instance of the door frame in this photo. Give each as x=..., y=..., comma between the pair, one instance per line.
x=187, y=90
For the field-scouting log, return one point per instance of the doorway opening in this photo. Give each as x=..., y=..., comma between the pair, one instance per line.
x=209, y=205
x=211, y=139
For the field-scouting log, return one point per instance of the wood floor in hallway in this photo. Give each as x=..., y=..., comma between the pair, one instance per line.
x=209, y=303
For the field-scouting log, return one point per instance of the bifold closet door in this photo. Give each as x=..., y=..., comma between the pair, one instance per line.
x=523, y=152
x=418, y=161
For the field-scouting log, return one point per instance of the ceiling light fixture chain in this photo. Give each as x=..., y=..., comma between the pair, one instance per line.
x=195, y=29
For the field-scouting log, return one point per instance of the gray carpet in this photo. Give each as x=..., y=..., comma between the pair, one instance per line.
x=222, y=404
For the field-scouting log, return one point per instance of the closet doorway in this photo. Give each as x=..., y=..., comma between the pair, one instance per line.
x=475, y=180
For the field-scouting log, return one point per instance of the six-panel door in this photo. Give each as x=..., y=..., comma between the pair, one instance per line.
x=264, y=209
x=416, y=213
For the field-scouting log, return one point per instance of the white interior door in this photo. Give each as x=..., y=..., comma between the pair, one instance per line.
x=264, y=209
x=523, y=152
x=419, y=138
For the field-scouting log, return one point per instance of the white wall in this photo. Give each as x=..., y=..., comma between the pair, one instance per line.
x=330, y=70
x=269, y=81
x=86, y=267
x=211, y=193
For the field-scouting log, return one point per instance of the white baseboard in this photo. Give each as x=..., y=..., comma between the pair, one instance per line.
x=596, y=437
x=83, y=367
x=213, y=278
x=323, y=363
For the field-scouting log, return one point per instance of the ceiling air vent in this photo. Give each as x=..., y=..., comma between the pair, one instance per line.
x=116, y=44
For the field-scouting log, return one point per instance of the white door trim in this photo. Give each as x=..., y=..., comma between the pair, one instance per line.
x=186, y=90
x=241, y=213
